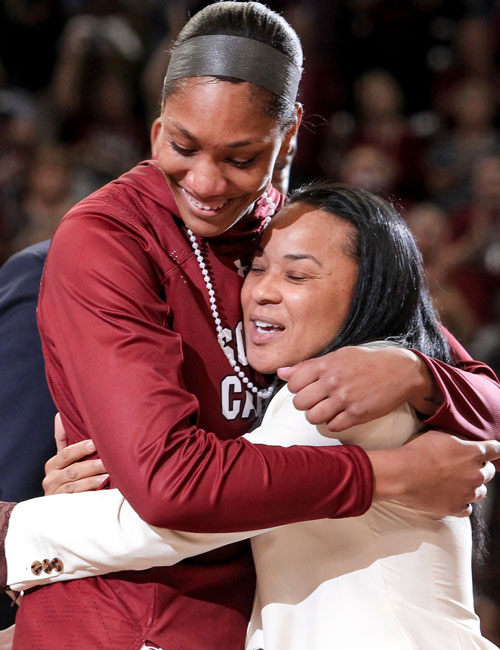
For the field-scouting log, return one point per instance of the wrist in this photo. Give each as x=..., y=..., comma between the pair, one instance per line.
x=390, y=471
x=6, y=508
x=423, y=393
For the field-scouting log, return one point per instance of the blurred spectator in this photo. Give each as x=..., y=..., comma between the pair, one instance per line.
x=175, y=15
x=379, y=121
x=28, y=40
x=95, y=91
x=472, y=133
x=321, y=89
x=370, y=168
x=391, y=35
x=476, y=235
x=18, y=133
x=476, y=256
x=474, y=51
x=47, y=195
x=431, y=228
x=109, y=138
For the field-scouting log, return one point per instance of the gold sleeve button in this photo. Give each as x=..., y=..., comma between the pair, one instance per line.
x=36, y=568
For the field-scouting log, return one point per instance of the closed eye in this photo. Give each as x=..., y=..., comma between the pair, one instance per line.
x=181, y=150
x=256, y=269
x=295, y=277
x=241, y=164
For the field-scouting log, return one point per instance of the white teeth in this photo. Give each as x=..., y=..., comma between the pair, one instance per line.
x=263, y=326
x=263, y=323
x=203, y=206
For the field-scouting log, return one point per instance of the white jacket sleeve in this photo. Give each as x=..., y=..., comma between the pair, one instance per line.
x=68, y=536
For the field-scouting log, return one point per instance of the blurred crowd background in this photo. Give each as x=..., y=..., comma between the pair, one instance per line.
x=401, y=97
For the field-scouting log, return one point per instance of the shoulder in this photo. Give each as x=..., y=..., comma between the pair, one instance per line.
x=390, y=430
x=285, y=426
x=32, y=257
x=136, y=211
x=21, y=273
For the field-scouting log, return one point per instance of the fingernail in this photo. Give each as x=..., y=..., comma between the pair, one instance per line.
x=90, y=445
x=284, y=368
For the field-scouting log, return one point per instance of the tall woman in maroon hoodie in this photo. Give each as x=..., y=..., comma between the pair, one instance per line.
x=141, y=328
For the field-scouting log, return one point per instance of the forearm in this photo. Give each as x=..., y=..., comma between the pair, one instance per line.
x=91, y=534
x=469, y=398
x=435, y=472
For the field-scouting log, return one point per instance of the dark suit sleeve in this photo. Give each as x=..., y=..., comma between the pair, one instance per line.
x=26, y=407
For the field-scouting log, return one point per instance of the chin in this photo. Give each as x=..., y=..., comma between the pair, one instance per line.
x=264, y=366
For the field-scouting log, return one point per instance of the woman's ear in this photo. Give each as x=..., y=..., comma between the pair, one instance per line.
x=283, y=164
x=155, y=136
x=289, y=144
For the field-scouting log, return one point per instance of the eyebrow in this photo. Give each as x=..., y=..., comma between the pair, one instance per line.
x=302, y=256
x=293, y=256
x=229, y=145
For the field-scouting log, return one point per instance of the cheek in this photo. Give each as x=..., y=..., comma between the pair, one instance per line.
x=245, y=295
x=171, y=163
x=164, y=160
x=322, y=317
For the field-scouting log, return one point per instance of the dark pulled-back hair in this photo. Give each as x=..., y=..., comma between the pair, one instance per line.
x=390, y=300
x=249, y=20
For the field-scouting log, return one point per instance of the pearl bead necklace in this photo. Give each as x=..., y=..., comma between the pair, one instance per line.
x=263, y=393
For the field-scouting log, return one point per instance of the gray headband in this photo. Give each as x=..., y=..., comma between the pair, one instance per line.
x=239, y=57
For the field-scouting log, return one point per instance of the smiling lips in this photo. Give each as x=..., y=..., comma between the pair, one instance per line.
x=206, y=207
x=264, y=331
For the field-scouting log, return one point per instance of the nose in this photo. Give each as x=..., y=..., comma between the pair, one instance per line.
x=205, y=178
x=265, y=289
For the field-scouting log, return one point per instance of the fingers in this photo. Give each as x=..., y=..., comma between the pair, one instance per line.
x=285, y=373
x=59, y=433
x=480, y=492
x=78, y=477
x=83, y=485
x=315, y=400
x=448, y=474
x=84, y=469
x=466, y=512
x=301, y=375
x=492, y=450
x=70, y=454
x=488, y=471
x=67, y=472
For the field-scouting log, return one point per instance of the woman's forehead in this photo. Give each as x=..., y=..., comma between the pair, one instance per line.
x=230, y=111
x=304, y=222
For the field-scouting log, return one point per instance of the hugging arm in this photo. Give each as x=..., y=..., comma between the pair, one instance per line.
x=93, y=533
x=90, y=534
x=354, y=385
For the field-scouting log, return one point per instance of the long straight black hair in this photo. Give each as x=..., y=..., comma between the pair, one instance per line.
x=390, y=301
